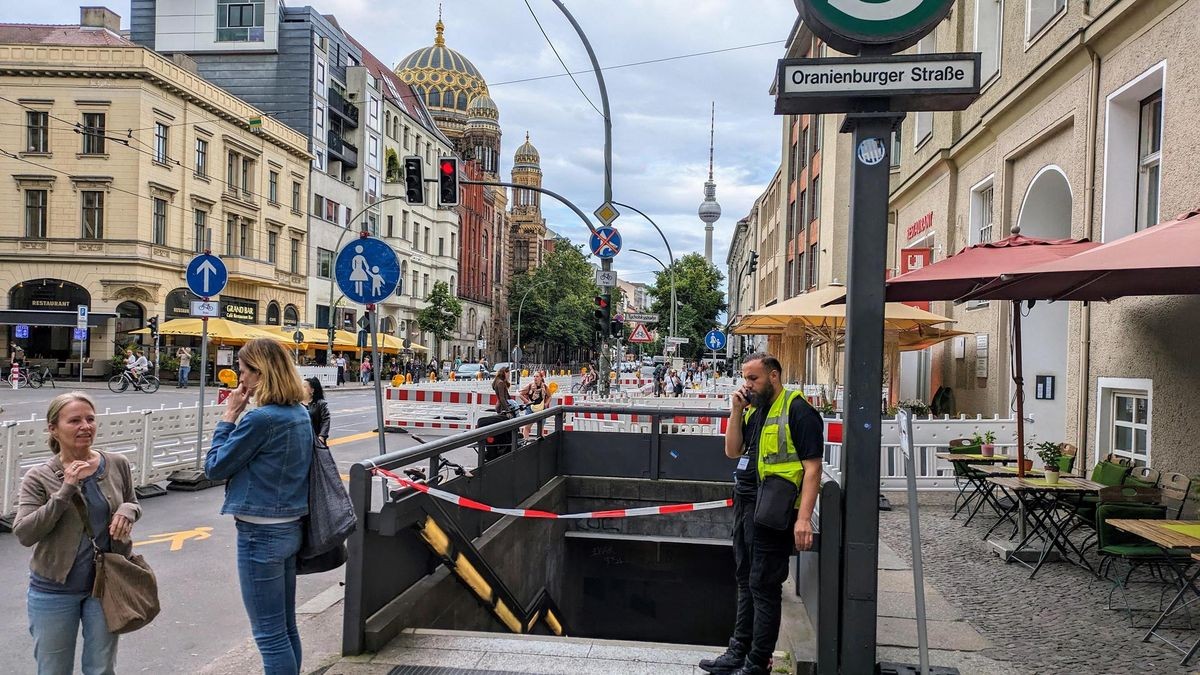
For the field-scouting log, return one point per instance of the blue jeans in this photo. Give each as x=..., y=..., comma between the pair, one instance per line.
x=54, y=620
x=184, y=371
x=267, y=572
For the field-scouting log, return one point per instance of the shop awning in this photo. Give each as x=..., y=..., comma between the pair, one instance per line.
x=46, y=317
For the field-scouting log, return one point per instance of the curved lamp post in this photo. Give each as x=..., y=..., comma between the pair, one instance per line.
x=672, y=273
x=520, y=308
x=670, y=256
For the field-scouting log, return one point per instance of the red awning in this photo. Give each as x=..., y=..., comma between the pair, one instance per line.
x=975, y=266
x=1161, y=260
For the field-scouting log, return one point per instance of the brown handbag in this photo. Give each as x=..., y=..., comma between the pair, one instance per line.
x=125, y=585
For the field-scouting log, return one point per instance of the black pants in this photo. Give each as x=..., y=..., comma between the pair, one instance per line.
x=760, y=558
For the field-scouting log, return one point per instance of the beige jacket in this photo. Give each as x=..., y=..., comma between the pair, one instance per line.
x=48, y=520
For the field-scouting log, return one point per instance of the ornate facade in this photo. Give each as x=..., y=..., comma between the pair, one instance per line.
x=528, y=225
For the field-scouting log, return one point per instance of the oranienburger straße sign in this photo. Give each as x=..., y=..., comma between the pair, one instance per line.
x=909, y=82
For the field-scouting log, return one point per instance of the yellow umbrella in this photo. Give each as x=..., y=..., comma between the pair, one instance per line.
x=810, y=310
x=222, y=330
x=317, y=338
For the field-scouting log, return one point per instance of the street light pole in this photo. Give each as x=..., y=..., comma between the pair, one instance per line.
x=520, y=308
x=671, y=271
x=670, y=256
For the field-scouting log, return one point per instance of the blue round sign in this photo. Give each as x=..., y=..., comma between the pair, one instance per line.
x=714, y=340
x=207, y=275
x=605, y=242
x=367, y=270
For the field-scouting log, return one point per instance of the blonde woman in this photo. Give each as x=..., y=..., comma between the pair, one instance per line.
x=536, y=395
x=53, y=495
x=264, y=456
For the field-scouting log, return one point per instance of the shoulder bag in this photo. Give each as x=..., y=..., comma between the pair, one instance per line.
x=330, y=516
x=125, y=585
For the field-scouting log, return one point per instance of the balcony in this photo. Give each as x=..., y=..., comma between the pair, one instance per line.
x=342, y=151
x=343, y=109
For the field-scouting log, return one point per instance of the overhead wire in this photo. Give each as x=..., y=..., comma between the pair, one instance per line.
x=560, y=58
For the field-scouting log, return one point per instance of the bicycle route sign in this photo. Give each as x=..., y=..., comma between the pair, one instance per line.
x=207, y=275
x=367, y=270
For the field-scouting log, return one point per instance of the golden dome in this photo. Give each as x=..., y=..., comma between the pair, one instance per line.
x=444, y=79
x=527, y=154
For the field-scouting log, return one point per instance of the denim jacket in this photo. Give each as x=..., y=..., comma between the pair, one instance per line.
x=265, y=459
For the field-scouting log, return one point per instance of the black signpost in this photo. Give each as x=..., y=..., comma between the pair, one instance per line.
x=875, y=88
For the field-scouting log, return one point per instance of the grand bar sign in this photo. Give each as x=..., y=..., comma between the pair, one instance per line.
x=907, y=82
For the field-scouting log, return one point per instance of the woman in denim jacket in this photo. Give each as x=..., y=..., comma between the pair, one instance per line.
x=265, y=457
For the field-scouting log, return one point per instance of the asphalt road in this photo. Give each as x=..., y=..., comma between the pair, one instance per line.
x=191, y=547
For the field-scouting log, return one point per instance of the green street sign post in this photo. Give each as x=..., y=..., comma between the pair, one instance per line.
x=875, y=89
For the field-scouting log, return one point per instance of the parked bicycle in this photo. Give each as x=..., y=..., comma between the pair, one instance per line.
x=38, y=377
x=143, y=382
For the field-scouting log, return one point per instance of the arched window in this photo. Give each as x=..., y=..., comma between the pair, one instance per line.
x=291, y=316
x=435, y=98
x=387, y=325
x=462, y=101
x=130, y=316
x=273, y=313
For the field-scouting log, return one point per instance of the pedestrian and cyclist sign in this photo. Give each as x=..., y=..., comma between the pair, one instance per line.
x=367, y=270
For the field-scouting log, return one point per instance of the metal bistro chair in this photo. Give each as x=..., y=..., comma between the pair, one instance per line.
x=964, y=476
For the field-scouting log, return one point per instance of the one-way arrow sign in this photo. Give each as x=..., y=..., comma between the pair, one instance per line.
x=206, y=275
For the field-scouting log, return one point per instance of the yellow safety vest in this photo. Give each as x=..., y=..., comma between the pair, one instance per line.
x=777, y=454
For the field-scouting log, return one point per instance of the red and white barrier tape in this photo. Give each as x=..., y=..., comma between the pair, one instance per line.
x=532, y=513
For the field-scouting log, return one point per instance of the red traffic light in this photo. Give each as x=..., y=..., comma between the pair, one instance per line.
x=601, y=302
x=447, y=167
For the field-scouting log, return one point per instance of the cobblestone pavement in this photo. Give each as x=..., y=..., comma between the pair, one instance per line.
x=1055, y=623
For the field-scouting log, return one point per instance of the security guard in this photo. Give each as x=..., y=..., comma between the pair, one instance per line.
x=778, y=439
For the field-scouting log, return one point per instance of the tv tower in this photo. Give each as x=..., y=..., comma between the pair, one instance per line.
x=710, y=210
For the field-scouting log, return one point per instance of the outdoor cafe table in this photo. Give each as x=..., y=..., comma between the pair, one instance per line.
x=1171, y=535
x=975, y=479
x=1048, y=509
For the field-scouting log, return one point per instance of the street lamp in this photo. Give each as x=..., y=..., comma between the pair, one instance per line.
x=670, y=256
x=520, y=308
x=672, y=273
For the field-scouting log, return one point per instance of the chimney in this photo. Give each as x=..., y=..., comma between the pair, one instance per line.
x=99, y=17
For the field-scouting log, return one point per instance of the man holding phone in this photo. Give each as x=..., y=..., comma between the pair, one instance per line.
x=778, y=440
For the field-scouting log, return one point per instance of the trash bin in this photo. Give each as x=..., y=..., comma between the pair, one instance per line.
x=496, y=444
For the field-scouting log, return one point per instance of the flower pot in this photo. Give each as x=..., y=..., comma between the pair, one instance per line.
x=1051, y=477
x=987, y=449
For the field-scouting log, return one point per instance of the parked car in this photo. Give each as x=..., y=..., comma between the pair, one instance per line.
x=469, y=371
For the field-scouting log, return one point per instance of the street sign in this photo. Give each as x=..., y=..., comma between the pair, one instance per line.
x=669, y=349
x=642, y=318
x=81, y=316
x=890, y=26
x=678, y=340
x=714, y=340
x=480, y=344
x=207, y=275
x=908, y=82
x=21, y=331
x=298, y=337
x=605, y=242
x=367, y=270
x=205, y=308
x=606, y=278
x=364, y=322
x=79, y=334
x=607, y=213
x=640, y=334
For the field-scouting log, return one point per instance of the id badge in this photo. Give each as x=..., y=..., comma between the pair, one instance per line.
x=743, y=463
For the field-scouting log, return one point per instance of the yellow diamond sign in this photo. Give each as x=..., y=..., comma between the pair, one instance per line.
x=606, y=213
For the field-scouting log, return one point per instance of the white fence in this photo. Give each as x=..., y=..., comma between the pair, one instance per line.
x=157, y=443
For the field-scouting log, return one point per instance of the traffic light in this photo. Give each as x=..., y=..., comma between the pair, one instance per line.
x=448, y=181
x=753, y=262
x=414, y=180
x=617, y=327
x=153, y=327
x=332, y=334
x=601, y=313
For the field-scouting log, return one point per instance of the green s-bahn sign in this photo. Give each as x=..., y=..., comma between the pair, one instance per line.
x=878, y=26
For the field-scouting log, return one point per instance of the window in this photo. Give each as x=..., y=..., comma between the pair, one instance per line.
x=272, y=245
x=426, y=249
x=93, y=133
x=454, y=244
x=160, y=221
x=324, y=263
x=349, y=215
x=296, y=196
x=801, y=206
x=894, y=155
x=405, y=136
x=815, y=193
x=799, y=270
x=295, y=266
x=819, y=126
x=441, y=246
x=273, y=187
x=1125, y=413
x=391, y=226
x=404, y=224
x=231, y=164
x=240, y=20
x=201, y=167
x=332, y=209
x=244, y=239
x=322, y=316
x=416, y=278
x=982, y=212
x=923, y=124
x=319, y=120
x=37, y=132
x=35, y=214
x=230, y=226
x=247, y=163
x=160, y=142
x=988, y=38
x=425, y=285
x=793, y=160
x=812, y=265
x=1039, y=13
x=93, y=213
x=200, y=232
x=1149, y=160
x=401, y=278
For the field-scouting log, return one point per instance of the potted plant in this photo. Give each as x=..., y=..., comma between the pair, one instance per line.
x=1050, y=453
x=988, y=447
x=916, y=406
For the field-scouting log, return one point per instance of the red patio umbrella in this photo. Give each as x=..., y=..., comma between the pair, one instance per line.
x=965, y=273
x=1161, y=260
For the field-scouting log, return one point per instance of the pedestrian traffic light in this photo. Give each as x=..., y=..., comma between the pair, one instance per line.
x=414, y=180
x=617, y=327
x=448, y=181
x=601, y=313
x=153, y=327
x=753, y=262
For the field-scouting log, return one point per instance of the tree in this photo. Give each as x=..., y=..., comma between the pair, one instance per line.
x=558, y=304
x=440, y=315
x=698, y=289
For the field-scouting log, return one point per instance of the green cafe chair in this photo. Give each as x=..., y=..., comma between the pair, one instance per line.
x=1118, y=548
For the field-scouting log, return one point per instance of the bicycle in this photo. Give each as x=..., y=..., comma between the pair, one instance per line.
x=144, y=383
x=39, y=377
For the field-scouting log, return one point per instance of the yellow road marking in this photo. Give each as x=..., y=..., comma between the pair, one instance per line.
x=177, y=538
x=351, y=438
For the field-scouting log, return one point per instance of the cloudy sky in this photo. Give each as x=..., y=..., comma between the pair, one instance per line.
x=660, y=111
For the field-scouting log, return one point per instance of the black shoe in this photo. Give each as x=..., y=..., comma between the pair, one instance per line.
x=751, y=669
x=727, y=663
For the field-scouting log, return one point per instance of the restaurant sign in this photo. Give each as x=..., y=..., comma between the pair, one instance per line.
x=241, y=310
